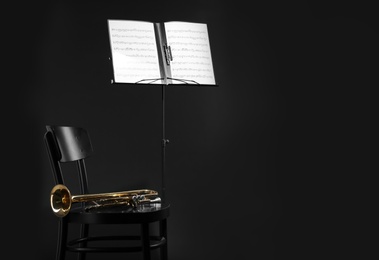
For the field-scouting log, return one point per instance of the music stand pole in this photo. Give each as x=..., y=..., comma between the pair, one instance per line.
x=164, y=143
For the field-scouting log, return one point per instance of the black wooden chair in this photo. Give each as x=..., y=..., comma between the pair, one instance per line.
x=67, y=144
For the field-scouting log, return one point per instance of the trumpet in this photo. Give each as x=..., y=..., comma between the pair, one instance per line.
x=61, y=199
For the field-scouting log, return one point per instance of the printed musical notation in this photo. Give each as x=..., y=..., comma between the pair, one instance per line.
x=134, y=51
x=191, y=51
x=136, y=55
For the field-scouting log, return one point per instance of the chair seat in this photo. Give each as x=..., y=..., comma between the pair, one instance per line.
x=116, y=215
x=143, y=214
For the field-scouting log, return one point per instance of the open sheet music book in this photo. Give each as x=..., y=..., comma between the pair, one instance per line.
x=160, y=53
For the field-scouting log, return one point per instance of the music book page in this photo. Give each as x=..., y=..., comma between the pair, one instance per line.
x=134, y=51
x=191, y=52
x=160, y=53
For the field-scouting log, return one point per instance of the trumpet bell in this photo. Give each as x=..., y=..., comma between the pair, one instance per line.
x=60, y=200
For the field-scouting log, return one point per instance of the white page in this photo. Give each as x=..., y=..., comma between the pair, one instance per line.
x=134, y=51
x=191, y=52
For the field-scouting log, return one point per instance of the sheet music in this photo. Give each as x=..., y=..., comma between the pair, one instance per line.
x=134, y=51
x=191, y=52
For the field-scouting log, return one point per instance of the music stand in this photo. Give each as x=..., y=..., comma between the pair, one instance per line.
x=125, y=40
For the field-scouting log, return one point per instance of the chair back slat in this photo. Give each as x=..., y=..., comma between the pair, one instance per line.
x=68, y=144
x=73, y=142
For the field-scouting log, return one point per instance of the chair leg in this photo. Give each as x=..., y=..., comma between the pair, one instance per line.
x=145, y=241
x=163, y=233
x=83, y=233
x=62, y=240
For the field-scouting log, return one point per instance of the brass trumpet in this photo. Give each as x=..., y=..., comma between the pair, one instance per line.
x=61, y=199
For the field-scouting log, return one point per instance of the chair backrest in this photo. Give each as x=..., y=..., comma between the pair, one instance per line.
x=68, y=144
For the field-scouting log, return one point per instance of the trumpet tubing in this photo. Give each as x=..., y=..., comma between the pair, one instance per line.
x=61, y=199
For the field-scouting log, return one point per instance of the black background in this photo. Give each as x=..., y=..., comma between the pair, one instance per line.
x=268, y=165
